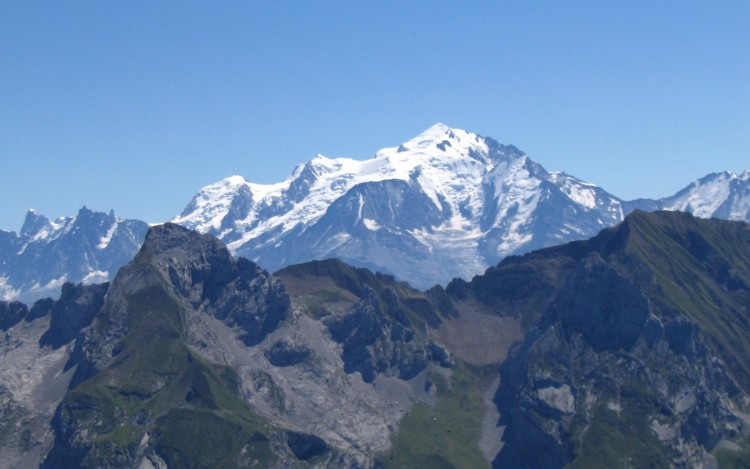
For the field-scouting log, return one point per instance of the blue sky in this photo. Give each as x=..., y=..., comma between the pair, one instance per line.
x=134, y=106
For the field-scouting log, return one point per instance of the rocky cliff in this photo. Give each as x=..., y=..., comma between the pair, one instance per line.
x=625, y=350
x=638, y=357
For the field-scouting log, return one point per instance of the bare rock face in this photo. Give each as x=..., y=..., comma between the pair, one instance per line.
x=630, y=349
x=285, y=353
x=143, y=326
x=382, y=327
x=376, y=341
x=76, y=308
x=617, y=360
x=201, y=270
x=11, y=313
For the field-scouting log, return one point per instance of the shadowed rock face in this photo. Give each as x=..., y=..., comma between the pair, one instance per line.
x=11, y=313
x=76, y=308
x=382, y=325
x=625, y=353
x=201, y=270
x=603, y=306
x=285, y=353
x=306, y=446
x=134, y=360
x=630, y=348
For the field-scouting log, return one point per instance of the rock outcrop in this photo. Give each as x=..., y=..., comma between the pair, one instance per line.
x=629, y=349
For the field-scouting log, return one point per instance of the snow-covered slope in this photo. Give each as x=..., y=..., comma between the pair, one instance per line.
x=719, y=195
x=447, y=203
x=88, y=248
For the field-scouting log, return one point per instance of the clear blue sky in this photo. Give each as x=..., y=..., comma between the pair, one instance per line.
x=134, y=106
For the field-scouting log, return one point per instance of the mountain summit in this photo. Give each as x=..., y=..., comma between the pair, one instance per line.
x=447, y=203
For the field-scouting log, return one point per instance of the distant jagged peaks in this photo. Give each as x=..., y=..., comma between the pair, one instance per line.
x=87, y=247
x=33, y=223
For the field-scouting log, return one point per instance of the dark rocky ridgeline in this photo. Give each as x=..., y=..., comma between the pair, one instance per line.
x=76, y=308
x=636, y=348
x=11, y=313
x=140, y=395
x=201, y=270
x=632, y=349
x=145, y=393
x=380, y=323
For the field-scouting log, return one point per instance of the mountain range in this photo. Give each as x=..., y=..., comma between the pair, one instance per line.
x=629, y=349
x=88, y=247
x=446, y=204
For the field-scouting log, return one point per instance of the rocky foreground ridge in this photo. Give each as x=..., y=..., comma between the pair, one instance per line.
x=628, y=349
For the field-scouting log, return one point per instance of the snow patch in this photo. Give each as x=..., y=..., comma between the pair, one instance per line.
x=95, y=276
x=7, y=292
x=107, y=238
x=370, y=224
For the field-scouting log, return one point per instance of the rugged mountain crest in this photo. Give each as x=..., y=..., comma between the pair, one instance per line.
x=720, y=195
x=190, y=358
x=627, y=349
x=642, y=345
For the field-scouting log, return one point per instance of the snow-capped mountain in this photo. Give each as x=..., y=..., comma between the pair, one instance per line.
x=719, y=195
x=447, y=203
x=88, y=248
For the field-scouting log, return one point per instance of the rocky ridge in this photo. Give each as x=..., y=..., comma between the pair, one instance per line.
x=626, y=349
x=187, y=334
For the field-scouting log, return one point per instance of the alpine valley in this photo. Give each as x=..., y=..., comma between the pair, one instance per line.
x=578, y=330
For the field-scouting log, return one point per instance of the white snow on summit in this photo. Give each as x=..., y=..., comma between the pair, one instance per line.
x=704, y=197
x=480, y=188
x=448, y=164
x=722, y=195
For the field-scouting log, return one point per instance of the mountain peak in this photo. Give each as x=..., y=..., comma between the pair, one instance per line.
x=168, y=236
x=437, y=134
x=438, y=139
x=33, y=223
x=234, y=180
x=437, y=129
